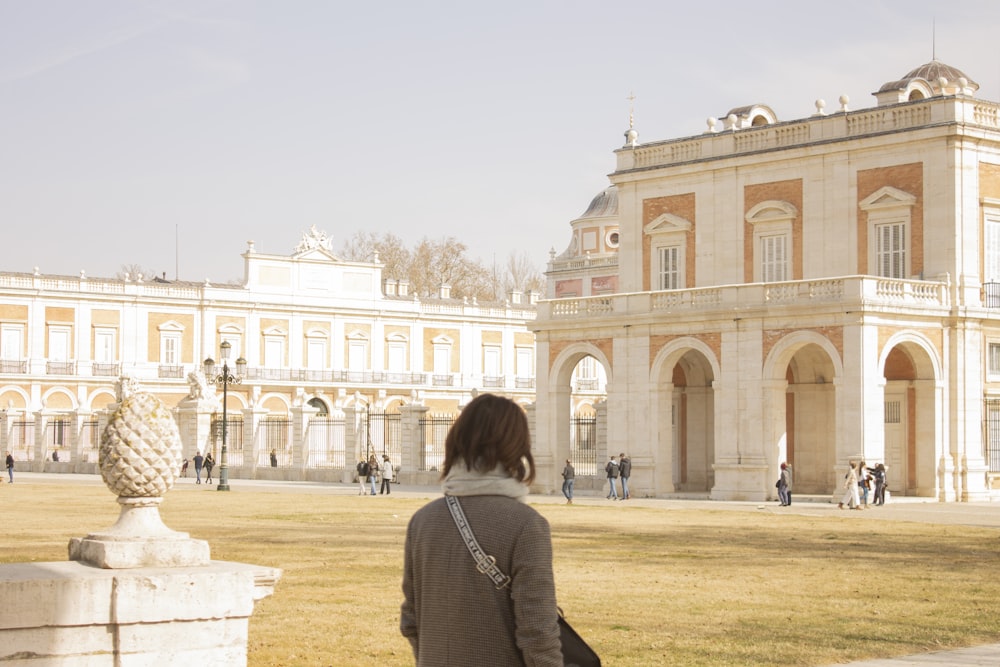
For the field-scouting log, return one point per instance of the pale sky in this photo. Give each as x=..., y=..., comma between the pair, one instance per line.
x=167, y=133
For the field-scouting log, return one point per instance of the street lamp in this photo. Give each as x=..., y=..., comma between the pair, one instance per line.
x=225, y=378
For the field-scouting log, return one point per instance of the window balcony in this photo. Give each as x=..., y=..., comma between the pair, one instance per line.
x=104, y=369
x=13, y=367
x=168, y=371
x=524, y=383
x=493, y=381
x=60, y=368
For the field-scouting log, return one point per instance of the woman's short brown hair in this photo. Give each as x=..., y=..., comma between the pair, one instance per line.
x=491, y=431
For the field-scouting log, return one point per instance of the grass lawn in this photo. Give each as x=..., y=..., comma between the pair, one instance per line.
x=645, y=586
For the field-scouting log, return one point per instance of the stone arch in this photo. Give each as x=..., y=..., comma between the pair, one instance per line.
x=13, y=397
x=59, y=398
x=911, y=450
x=277, y=404
x=574, y=439
x=320, y=403
x=801, y=374
x=682, y=381
x=94, y=396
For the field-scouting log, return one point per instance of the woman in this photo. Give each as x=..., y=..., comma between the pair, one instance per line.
x=879, y=474
x=453, y=614
x=851, y=489
x=372, y=472
x=209, y=464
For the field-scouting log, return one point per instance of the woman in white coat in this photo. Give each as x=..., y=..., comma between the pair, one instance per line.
x=851, y=489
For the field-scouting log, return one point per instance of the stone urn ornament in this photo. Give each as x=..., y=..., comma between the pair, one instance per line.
x=139, y=458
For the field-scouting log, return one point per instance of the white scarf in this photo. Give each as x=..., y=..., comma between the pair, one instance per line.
x=464, y=482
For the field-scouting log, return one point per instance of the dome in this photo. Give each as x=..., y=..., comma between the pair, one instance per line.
x=932, y=73
x=604, y=204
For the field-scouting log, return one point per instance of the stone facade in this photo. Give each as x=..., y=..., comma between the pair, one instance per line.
x=812, y=291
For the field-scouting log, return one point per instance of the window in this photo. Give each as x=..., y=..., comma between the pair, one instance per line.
x=993, y=361
x=772, y=253
x=525, y=363
x=991, y=241
x=772, y=240
x=12, y=342
x=170, y=349
x=274, y=352
x=491, y=361
x=889, y=214
x=669, y=235
x=442, y=356
x=104, y=346
x=357, y=353
x=59, y=343
x=315, y=354
x=890, y=250
x=397, y=356
x=669, y=268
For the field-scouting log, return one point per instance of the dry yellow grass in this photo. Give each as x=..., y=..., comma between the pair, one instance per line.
x=646, y=586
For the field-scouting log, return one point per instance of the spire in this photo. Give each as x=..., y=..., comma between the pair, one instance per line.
x=631, y=136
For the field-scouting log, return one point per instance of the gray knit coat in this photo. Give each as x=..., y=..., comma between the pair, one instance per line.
x=453, y=615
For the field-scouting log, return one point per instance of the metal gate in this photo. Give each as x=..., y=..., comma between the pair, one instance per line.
x=433, y=431
x=383, y=435
x=991, y=434
x=583, y=445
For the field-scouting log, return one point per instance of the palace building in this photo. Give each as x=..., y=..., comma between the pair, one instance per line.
x=813, y=291
x=336, y=363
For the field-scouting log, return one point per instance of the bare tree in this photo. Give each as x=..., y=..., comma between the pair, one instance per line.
x=522, y=274
x=364, y=246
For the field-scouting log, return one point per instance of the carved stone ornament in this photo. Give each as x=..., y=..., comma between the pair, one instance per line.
x=314, y=239
x=140, y=456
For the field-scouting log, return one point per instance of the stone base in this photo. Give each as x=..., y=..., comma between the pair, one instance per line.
x=110, y=553
x=70, y=615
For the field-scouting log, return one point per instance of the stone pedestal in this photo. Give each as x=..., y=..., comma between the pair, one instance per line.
x=69, y=614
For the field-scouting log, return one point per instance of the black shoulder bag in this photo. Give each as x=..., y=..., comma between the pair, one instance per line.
x=576, y=652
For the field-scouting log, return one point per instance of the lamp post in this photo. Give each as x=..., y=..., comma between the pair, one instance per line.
x=225, y=378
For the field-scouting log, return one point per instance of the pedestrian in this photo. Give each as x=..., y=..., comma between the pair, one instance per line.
x=611, y=469
x=184, y=468
x=851, y=489
x=624, y=471
x=362, y=476
x=372, y=472
x=785, y=485
x=452, y=613
x=878, y=474
x=274, y=459
x=199, y=461
x=386, y=475
x=209, y=464
x=569, y=478
x=10, y=468
x=863, y=483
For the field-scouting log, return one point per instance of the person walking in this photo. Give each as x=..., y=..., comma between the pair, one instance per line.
x=10, y=468
x=611, y=469
x=184, y=468
x=851, y=489
x=569, y=478
x=785, y=485
x=452, y=613
x=386, y=476
x=624, y=471
x=199, y=461
x=372, y=472
x=362, y=476
x=209, y=464
x=274, y=459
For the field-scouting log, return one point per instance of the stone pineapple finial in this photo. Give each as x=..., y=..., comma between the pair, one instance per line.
x=139, y=458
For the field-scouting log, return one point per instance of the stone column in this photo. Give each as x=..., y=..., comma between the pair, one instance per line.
x=410, y=416
x=300, y=415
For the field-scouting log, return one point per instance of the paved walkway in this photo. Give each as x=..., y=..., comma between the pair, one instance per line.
x=983, y=514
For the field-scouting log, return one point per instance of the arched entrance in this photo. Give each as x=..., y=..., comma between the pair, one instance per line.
x=685, y=418
x=910, y=421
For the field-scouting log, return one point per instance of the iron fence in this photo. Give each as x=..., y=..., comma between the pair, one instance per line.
x=234, y=440
x=327, y=443
x=433, y=431
x=991, y=434
x=583, y=445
